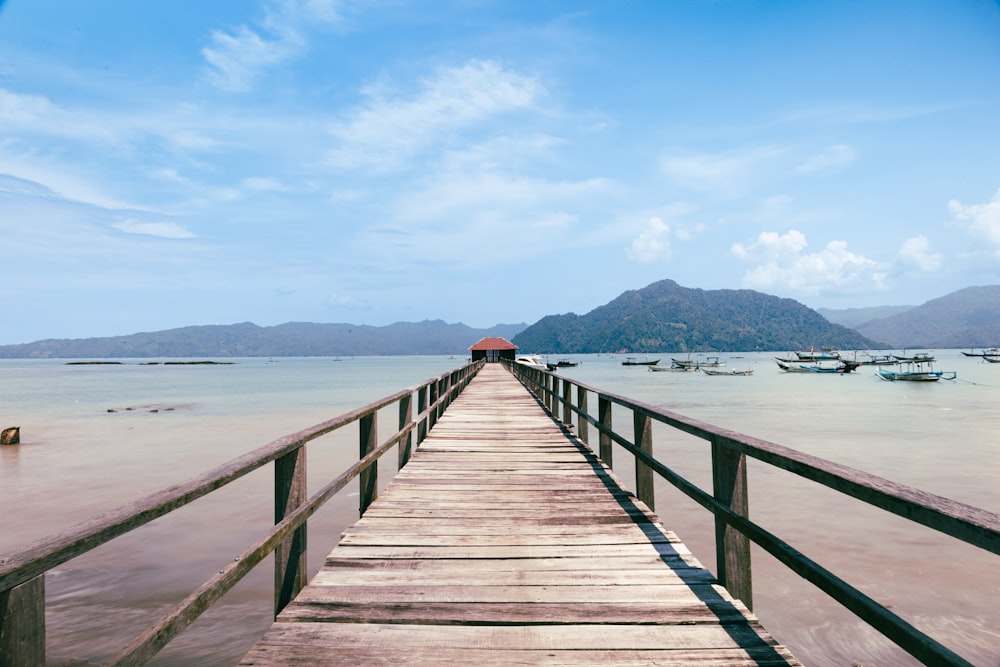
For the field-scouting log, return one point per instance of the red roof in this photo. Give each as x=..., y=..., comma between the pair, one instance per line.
x=494, y=344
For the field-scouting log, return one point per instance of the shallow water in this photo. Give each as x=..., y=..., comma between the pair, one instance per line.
x=84, y=452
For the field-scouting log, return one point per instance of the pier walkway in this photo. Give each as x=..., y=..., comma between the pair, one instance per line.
x=504, y=540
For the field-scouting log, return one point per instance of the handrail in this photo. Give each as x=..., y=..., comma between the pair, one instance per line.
x=22, y=571
x=729, y=501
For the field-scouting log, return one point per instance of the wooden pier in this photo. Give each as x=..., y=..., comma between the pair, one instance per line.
x=505, y=540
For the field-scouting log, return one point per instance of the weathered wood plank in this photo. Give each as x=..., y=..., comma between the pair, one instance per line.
x=502, y=637
x=281, y=655
x=534, y=612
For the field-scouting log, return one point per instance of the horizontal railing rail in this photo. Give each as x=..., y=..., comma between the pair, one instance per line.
x=22, y=590
x=729, y=500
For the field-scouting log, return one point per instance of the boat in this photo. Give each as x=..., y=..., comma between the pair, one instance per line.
x=673, y=369
x=916, y=357
x=566, y=363
x=985, y=353
x=632, y=361
x=731, y=371
x=992, y=360
x=533, y=361
x=826, y=354
x=709, y=362
x=842, y=366
x=915, y=371
x=879, y=360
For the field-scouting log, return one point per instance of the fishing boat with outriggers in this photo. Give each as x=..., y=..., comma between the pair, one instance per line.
x=710, y=362
x=731, y=371
x=842, y=366
x=813, y=354
x=916, y=357
x=915, y=371
x=990, y=353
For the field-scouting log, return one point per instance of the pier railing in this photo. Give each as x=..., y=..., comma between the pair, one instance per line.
x=729, y=500
x=22, y=573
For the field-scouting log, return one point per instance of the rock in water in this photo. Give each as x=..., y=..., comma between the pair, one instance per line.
x=10, y=436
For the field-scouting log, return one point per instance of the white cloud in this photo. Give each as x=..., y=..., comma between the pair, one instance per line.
x=167, y=230
x=652, y=244
x=915, y=254
x=389, y=130
x=60, y=181
x=981, y=220
x=238, y=57
x=780, y=264
x=24, y=110
x=725, y=174
x=835, y=156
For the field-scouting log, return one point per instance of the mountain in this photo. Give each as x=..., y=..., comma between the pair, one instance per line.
x=852, y=318
x=969, y=317
x=300, y=339
x=667, y=317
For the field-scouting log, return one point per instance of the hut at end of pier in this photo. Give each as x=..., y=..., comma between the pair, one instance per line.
x=493, y=350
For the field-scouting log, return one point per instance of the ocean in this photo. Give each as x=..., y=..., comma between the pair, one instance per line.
x=95, y=437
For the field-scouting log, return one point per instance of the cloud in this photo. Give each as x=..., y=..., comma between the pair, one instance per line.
x=237, y=58
x=835, y=156
x=780, y=264
x=389, y=130
x=652, y=244
x=982, y=221
x=725, y=174
x=24, y=110
x=915, y=255
x=167, y=230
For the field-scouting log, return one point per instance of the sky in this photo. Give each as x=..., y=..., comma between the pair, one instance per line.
x=166, y=164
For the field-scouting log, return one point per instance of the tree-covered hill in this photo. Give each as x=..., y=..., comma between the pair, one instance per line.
x=665, y=316
x=969, y=317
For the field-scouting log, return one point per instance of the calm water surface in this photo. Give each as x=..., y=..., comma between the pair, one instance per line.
x=84, y=451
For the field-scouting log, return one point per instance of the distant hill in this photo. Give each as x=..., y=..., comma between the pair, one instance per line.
x=852, y=318
x=666, y=317
x=300, y=339
x=969, y=317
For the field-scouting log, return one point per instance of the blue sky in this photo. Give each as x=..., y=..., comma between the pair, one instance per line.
x=165, y=164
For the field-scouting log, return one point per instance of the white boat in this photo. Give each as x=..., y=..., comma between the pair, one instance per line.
x=732, y=371
x=915, y=371
x=532, y=361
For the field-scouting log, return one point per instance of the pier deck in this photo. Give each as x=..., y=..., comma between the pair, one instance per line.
x=505, y=541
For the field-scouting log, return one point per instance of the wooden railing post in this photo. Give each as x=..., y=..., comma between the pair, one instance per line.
x=582, y=426
x=567, y=401
x=22, y=624
x=643, y=432
x=604, y=417
x=552, y=384
x=432, y=416
x=368, y=479
x=732, y=548
x=421, y=406
x=405, y=415
x=290, y=572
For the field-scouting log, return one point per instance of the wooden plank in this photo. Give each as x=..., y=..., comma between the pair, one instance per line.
x=505, y=541
x=285, y=655
x=332, y=636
